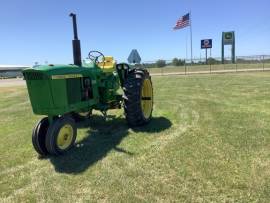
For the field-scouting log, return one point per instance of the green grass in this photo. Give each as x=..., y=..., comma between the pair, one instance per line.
x=209, y=141
x=206, y=68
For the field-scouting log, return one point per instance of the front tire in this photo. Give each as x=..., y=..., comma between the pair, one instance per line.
x=138, y=97
x=61, y=135
x=39, y=136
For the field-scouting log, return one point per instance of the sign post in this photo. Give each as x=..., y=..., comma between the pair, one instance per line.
x=206, y=61
x=206, y=44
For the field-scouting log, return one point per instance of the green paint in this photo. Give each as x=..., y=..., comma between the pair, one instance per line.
x=59, y=89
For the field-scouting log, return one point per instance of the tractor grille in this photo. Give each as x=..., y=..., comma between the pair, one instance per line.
x=74, y=90
x=34, y=76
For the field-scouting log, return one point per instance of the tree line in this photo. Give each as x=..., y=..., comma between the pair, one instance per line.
x=180, y=62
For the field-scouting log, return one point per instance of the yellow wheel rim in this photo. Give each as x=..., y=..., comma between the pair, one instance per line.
x=65, y=137
x=147, y=98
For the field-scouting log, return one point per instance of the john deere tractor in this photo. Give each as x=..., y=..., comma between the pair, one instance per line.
x=67, y=93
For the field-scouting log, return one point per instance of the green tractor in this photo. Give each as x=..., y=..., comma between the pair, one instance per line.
x=67, y=93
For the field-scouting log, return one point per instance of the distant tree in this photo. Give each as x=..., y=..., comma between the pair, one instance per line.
x=175, y=62
x=150, y=65
x=161, y=63
x=266, y=60
x=178, y=62
x=247, y=61
x=213, y=61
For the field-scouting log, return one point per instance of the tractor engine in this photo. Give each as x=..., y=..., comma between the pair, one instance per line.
x=53, y=92
x=109, y=88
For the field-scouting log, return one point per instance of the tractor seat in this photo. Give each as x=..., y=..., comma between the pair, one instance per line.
x=108, y=65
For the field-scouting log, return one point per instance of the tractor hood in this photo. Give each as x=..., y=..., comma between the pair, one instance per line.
x=51, y=68
x=48, y=71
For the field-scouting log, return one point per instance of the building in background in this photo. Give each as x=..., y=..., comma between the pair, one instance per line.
x=11, y=71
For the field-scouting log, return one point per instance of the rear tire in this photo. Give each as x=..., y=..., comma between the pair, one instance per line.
x=138, y=97
x=39, y=136
x=61, y=135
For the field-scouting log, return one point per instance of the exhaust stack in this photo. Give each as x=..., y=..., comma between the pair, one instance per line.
x=76, y=43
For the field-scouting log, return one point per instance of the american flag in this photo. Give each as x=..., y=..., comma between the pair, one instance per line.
x=184, y=21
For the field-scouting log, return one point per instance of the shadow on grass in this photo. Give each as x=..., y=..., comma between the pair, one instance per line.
x=103, y=136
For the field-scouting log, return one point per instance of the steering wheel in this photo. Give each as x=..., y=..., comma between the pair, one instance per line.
x=96, y=57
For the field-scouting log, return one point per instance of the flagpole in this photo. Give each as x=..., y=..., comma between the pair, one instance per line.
x=191, y=50
x=186, y=54
x=186, y=46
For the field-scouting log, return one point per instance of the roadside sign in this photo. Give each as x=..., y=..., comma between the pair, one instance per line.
x=228, y=38
x=206, y=44
x=134, y=57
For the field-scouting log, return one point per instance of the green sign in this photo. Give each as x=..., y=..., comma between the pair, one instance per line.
x=228, y=38
x=228, y=35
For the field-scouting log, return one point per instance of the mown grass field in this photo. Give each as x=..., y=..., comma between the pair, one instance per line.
x=209, y=141
x=208, y=68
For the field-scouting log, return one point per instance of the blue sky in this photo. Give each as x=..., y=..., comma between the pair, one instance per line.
x=40, y=30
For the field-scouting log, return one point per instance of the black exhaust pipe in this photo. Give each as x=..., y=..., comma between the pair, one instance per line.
x=76, y=43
